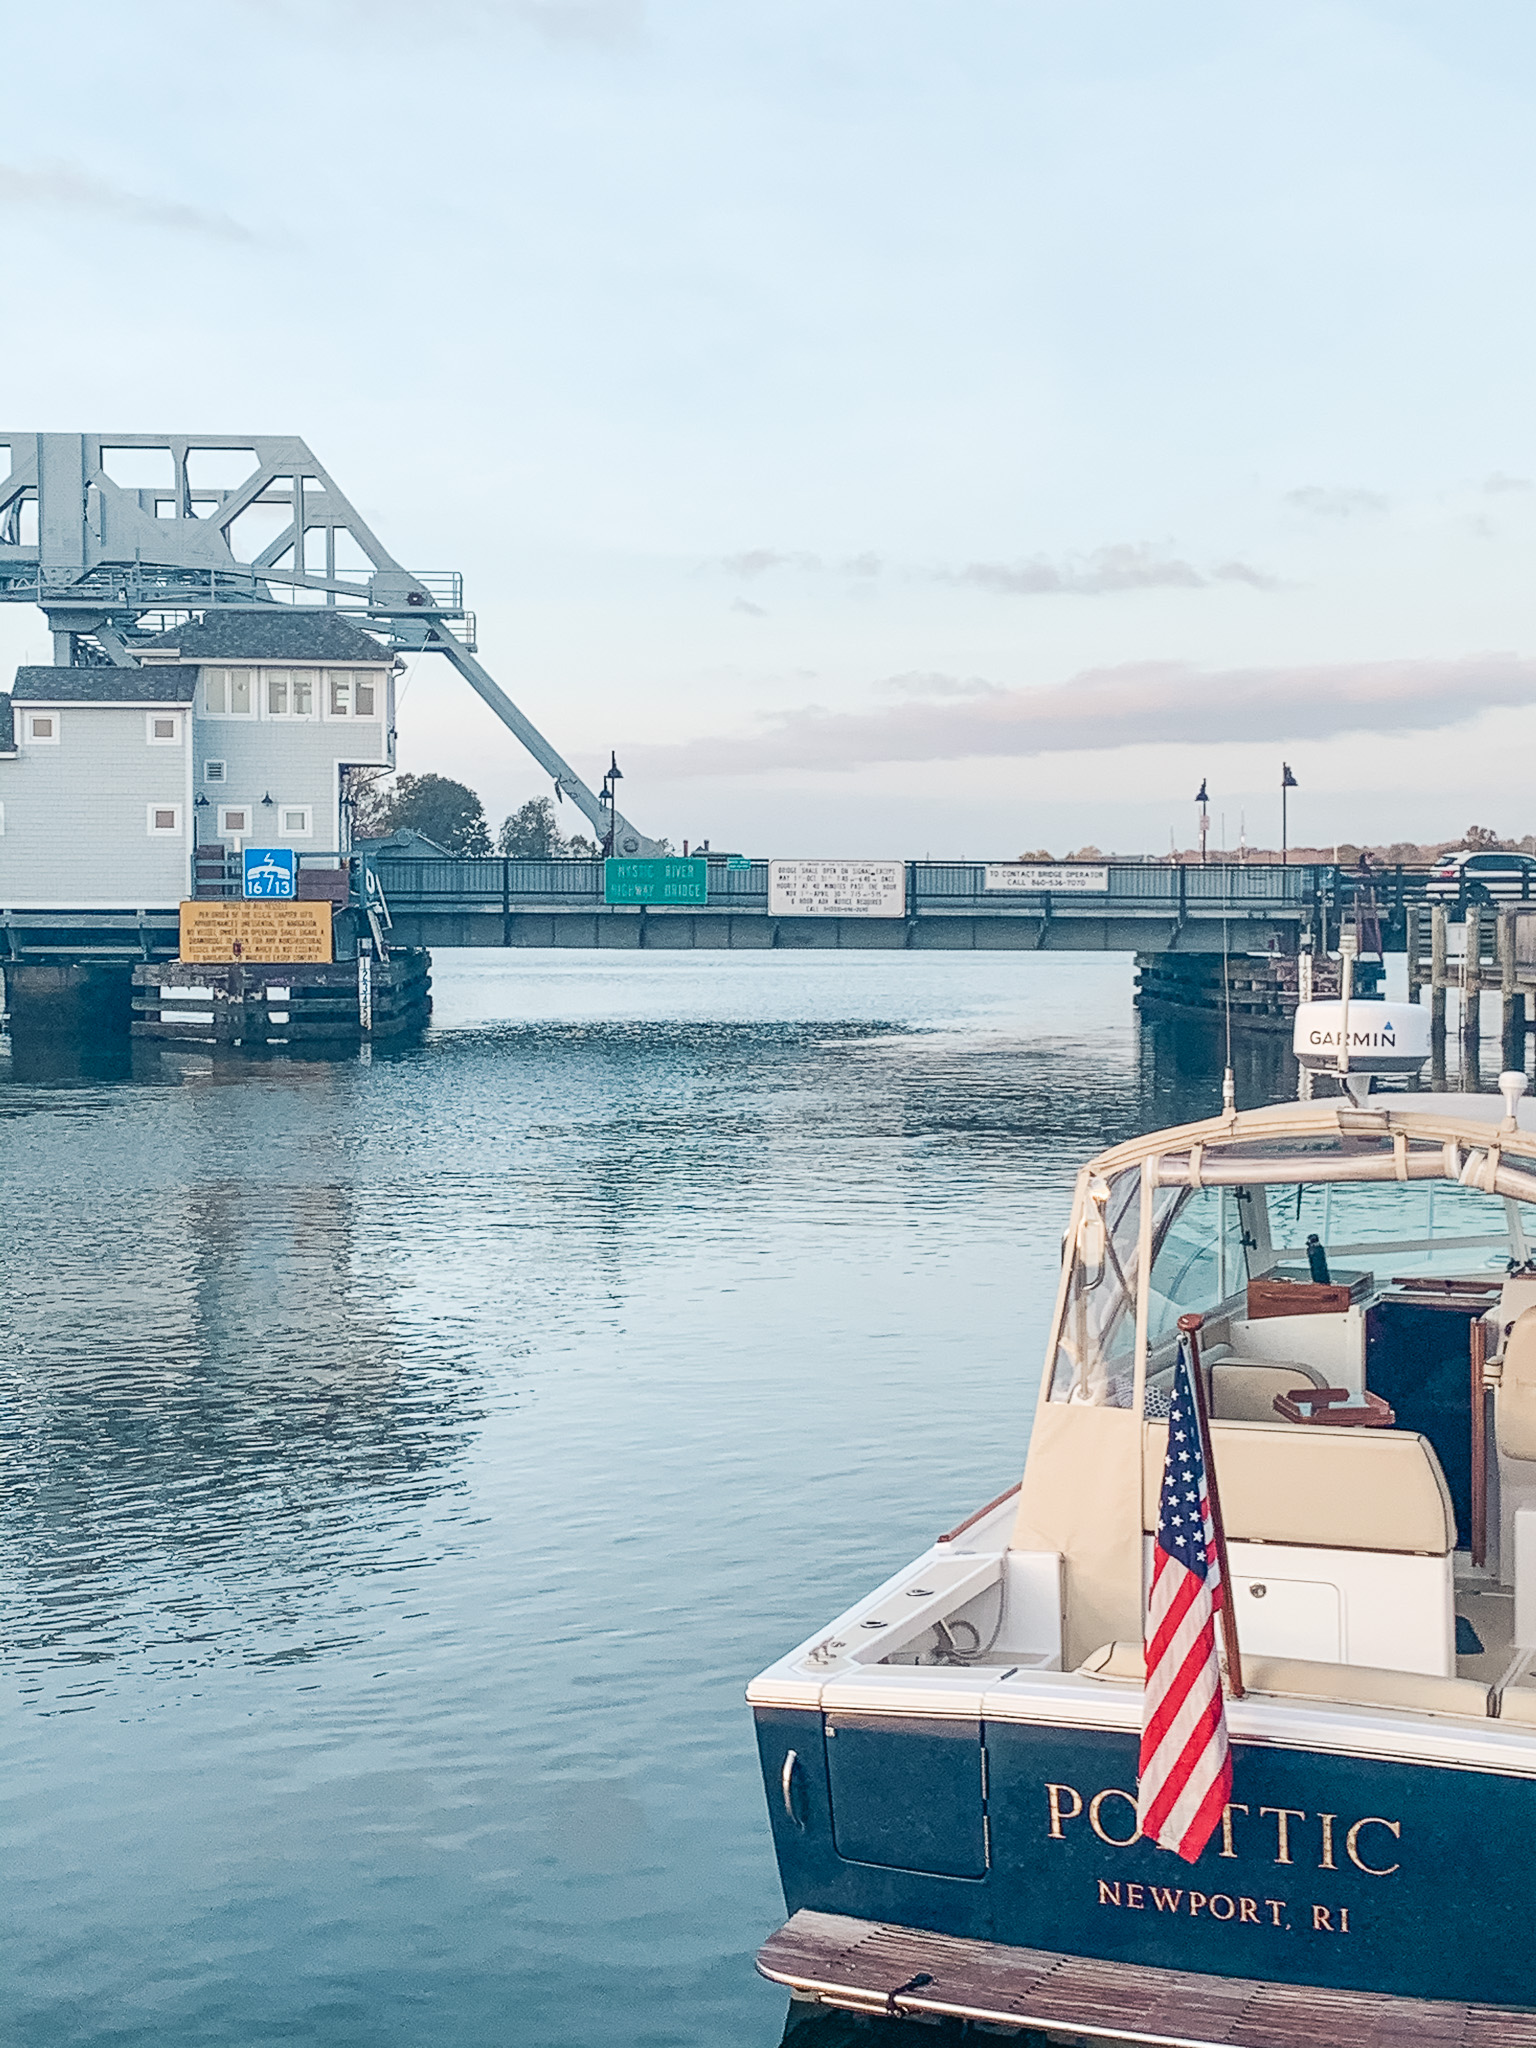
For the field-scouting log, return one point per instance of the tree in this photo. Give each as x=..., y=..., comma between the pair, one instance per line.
x=446, y=812
x=533, y=833
x=1480, y=838
x=365, y=794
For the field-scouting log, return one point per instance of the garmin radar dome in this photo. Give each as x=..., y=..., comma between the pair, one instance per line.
x=1361, y=1038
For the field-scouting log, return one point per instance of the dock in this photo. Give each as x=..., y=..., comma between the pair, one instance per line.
x=874, y=1968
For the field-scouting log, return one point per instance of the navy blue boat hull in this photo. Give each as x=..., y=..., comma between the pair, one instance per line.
x=1412, y=1879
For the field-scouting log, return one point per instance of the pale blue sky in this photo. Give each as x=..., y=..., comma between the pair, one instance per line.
x=841, y=382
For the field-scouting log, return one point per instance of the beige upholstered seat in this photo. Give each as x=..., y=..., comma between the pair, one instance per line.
x=1517, y=1389
x=1354, y=1685
x=1344, y=1489
x=1244, y=1389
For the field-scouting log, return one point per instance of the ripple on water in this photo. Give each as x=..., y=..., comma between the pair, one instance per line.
x=404, y=1463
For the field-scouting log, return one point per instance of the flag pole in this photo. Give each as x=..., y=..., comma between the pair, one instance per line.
x=1189, y=1327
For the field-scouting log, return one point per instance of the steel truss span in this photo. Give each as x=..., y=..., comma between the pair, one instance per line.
x=118, y=536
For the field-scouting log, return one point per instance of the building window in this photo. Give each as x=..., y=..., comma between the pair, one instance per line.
x=43, y=728
x=234, y=821
x=164, y=818
x=163, y=728
x=296, y=821
x=290, y=692
x=365, y=697
x=227, y=692
x=213, y=771
x=341, y=695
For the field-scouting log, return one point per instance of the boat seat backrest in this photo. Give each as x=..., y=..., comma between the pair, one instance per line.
x=1340, y=1489
x=1244, y=1389
x=1516, y=1399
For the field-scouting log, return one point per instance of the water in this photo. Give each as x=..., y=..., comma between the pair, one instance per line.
x=405, y=1462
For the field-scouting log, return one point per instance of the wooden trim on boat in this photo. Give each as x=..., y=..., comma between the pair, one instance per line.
x=980, y=1515
x=869, y=1966
x=1477, y=1346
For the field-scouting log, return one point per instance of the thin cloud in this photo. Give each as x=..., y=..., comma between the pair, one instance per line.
x=1123, y=567
x=1244, y=572
x=1336, y=504
x=602, y=22
x=583, y=21
x=753, y=611
x=758, y=561
x=1499, y=483
x=1136, y=704
x=64, y=188
x=921, y=685
x=1126, y=566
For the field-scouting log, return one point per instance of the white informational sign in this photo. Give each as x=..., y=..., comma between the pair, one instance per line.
x=837, y=888
x=1058, y=877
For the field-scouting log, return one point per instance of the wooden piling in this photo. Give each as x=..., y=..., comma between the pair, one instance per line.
x=1437, y=991
x=1512, y=1018
x=1411, y=947
x=1472, y=978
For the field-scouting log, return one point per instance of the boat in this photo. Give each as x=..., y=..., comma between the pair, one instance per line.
x=951, y=1765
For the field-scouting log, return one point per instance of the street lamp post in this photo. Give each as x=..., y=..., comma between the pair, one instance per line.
x=614, y=776
x=1202, y=799
x=1288, y=782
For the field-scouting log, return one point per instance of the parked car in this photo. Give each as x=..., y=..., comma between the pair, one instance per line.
x=1483, y=878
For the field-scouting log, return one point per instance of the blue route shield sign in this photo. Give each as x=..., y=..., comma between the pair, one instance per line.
x=271, y=871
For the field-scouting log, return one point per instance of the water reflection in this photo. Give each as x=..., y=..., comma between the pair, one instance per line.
x=1180, y=1068
x=407, y=1460
x=207, y=1412
x=48, y=1059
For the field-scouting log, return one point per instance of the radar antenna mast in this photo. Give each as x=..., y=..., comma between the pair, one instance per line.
x=112, y=563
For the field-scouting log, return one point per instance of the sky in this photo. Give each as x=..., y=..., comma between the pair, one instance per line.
x=895, y=427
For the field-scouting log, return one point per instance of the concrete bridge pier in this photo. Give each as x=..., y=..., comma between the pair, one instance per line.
x=81, y=999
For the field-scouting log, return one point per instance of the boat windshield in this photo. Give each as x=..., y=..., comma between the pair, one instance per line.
x=1377, y=1236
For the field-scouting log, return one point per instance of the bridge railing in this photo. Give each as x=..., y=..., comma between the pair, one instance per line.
x=1133, y=887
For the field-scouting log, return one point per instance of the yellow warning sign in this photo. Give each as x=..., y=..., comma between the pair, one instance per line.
x=256, y=931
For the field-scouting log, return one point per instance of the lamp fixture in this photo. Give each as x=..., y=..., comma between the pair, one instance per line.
x=200, y=802
x=266, y=802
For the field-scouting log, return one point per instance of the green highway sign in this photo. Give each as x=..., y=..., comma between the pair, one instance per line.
x=655, y=881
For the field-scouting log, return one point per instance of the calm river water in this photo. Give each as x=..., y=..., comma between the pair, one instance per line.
x=406, y=1461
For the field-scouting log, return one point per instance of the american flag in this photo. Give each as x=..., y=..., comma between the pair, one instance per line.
x=1185, y=1774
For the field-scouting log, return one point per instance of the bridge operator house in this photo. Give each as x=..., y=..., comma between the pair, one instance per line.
x=235, y=729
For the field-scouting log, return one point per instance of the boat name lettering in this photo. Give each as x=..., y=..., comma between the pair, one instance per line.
x=1292, y=1829
x=1220, y=1906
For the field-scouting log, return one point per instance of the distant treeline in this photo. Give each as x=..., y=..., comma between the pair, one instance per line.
x=1347, y=853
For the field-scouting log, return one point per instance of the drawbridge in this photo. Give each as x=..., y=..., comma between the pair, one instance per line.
x=118, y=537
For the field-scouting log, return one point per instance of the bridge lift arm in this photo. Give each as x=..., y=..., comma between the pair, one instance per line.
x=626, y=839
x=101, y=557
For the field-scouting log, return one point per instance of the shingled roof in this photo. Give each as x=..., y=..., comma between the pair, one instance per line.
x=162, y=684
x=273, y=633
x=7, y=727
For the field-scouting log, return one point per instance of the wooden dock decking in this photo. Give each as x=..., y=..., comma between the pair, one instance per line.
x=870, y=1967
